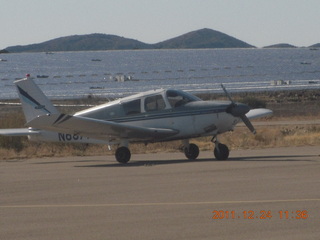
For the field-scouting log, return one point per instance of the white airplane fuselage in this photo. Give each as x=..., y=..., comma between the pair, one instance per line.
x=192, y=119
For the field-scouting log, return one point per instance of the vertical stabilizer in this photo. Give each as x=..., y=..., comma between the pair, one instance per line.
x=34, y=102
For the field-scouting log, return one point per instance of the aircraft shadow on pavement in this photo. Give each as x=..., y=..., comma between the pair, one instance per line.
x=147, y=163
x=69, y=161
x=150, y=163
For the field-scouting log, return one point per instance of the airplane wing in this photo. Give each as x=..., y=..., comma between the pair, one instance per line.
x=18, y=132
x=258, y=113
x=98, y=129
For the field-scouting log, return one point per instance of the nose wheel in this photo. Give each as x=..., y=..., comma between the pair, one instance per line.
x=221, y=151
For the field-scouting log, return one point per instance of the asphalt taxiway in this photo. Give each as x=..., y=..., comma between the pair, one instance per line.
x=256, y=194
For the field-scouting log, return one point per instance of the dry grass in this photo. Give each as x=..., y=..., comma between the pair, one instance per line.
x=274, y=136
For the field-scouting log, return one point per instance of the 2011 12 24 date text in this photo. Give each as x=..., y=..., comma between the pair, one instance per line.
x=260, y=214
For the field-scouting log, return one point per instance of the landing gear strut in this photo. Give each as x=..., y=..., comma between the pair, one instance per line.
x=221, y=151
x=123, y=154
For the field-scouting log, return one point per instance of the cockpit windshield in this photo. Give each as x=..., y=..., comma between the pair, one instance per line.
x=178, y=98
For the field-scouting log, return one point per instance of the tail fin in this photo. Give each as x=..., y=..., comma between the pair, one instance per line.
x=34, y=102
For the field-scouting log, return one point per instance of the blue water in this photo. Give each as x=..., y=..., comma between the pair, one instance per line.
x=74, y=74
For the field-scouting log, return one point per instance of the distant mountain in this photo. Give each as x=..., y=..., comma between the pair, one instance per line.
x=281, y=45
x=4, y=51
x=203, y=38
x=89, y=42
x=315, y=45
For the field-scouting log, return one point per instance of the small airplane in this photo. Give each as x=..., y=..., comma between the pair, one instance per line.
x=148, y=117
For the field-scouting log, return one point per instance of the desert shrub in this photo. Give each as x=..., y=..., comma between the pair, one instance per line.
x=15, y=120
x=253, y=102
x=14, y=143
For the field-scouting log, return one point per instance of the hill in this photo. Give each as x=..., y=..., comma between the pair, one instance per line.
x=315, y=45
x=281, y=45
x=89, y=42
x=203, y=38
x=3, y=51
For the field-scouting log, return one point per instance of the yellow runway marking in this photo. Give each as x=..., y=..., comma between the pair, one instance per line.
x=155, y=204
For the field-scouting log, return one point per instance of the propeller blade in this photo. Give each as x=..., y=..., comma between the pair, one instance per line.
x=227, y=94
x=239, y=110
x=248, y=123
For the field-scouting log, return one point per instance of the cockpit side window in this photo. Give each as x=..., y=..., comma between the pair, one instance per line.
x=154, y=103
x=132, y=107
x=179, y=98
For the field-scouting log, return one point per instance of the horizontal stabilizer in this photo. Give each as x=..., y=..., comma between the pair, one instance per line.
x=258, y=113
x=18, y=132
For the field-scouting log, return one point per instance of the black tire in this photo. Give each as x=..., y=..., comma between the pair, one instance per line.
x=221, y=152
x=123, y=155
x=192, y=152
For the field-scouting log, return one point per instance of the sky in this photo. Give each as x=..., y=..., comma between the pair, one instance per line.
x=257, y=22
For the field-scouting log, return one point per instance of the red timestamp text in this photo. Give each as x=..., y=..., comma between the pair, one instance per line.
x=260, y=214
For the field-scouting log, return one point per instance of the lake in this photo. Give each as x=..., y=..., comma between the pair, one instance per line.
x=80, y=74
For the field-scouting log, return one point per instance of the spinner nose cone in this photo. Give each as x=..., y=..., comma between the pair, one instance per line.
x=243, y=108
x=238, y=110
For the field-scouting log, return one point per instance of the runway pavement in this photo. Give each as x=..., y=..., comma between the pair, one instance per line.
x=256, y=194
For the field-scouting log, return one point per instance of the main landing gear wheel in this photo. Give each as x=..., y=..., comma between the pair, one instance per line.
x=191, y=152
x=123, y=155
x=221, y=152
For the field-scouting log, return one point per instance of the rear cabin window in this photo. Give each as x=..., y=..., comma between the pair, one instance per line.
x=154, y=103
x=132, y=107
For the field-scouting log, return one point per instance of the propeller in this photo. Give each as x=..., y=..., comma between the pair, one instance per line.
x=239, y=110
